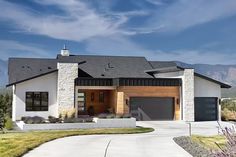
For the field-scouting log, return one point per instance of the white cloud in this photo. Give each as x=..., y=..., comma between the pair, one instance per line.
x=183, y=14
x=123, y=46
x=17, y=49
x=156, y=2
x=114, y=45
x=77, y=21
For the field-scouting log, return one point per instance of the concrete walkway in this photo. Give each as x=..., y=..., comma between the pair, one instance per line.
x=155, y=144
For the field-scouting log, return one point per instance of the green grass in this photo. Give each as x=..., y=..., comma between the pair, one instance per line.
x=17, y=144
x=209, y=142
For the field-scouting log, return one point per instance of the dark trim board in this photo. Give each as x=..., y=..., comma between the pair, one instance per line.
x=89, y=81
x=31, y=78
x=148, y=82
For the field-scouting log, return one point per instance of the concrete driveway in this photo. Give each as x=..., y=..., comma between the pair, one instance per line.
x=154, y=144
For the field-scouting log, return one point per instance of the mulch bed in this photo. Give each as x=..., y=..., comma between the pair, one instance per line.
x=192, y=147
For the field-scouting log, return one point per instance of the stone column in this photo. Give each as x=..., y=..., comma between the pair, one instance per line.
x=67, y=72
x=188, y=95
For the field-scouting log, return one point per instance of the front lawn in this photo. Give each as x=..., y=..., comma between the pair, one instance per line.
x=17, y=144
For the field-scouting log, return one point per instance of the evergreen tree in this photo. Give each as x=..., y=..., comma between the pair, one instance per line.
x=2, y=112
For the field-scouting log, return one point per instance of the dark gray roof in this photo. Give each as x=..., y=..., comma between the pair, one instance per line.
x=20, y=69
x=162, y=64
x=110, y=66
x=168, y=66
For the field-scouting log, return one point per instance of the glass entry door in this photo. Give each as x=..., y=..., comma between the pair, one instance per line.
x=81, y=102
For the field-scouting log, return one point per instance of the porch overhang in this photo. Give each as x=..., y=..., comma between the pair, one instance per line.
x=89, y=81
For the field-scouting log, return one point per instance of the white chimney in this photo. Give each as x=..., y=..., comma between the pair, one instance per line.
x=65, y=51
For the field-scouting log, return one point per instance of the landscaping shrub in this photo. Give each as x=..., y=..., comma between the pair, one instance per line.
x=230, y=104
x=33, y=120
x=127, y=115
x=119, y=116
x=102, y=115
x=110, y=116
x=52, y=119
x=227, y=115
x=230, y=149
x=78, y=120
x=8, y=123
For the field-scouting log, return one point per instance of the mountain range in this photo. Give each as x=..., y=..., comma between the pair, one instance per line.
x=224, y=73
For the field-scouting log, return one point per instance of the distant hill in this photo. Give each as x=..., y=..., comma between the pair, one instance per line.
x=225, y=73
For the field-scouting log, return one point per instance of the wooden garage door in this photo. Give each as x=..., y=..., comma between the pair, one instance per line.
x=205, y=108
x=152, y=108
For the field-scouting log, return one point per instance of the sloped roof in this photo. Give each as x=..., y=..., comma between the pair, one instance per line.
x=175, y=65
x=110, y=66
x=20, y=69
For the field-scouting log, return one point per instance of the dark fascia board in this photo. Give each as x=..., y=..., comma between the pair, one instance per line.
x=31, y=78
x=163, y=70
x=223, y=85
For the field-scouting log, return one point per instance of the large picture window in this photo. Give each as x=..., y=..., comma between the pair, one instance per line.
x=36, y=101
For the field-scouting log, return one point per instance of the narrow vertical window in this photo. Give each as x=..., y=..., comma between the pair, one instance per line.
x=92, y=96
x=101, y=96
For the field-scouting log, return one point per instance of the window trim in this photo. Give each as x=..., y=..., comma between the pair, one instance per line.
x=33, y=106
x=101, y=96
x=92, y=97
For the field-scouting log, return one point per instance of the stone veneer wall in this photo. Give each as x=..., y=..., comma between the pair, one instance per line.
x=188, y=95
x=67, y=72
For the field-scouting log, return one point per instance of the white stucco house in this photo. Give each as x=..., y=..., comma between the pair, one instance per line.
x=90, y=85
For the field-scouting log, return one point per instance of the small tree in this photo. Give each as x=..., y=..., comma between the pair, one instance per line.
x=2, y=111
x=5, y=107
x=1, y=119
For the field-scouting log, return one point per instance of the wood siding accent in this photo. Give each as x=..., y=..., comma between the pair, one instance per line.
x=147, y=91
x=99, y=107
x=116, y=99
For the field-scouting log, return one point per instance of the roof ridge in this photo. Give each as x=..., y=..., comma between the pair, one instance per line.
x=106, y=56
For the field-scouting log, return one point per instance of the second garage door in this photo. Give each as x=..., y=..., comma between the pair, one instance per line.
x=205, y=108
x=152, y=108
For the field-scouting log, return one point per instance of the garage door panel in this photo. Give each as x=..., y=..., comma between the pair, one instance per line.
x=152, y=108
x=206, y=108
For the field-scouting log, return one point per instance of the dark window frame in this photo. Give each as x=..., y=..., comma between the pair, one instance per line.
x=92, y=96
x=34, y=101
x=101, y=96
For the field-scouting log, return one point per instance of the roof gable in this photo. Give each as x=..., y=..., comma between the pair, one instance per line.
x=20, y=69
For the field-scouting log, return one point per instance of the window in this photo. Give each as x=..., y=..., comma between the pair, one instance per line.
x=92, y=97
x=36, y=101
x=101, y=96
x=81, y=101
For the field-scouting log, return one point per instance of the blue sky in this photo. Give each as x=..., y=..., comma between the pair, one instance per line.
x=192, y=31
